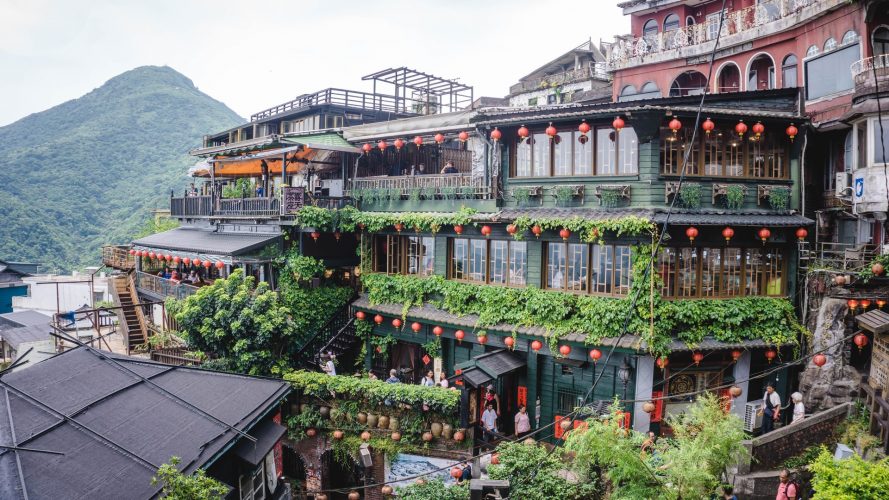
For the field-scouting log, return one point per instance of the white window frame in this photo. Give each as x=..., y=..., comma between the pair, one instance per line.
x=254, y=492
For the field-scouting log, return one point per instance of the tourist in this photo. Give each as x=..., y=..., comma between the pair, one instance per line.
x=329, y=367
x=449, y=168
x=787, y=489
x=491, y=398
x=489, y=421
x=648, y=445
x=393, y=377
x=192, y=277
x=728, y=493
x=444, y=379
x=799, y=409
x=371, y=375
x=522, y=422
x=428, y=379
x=465, y=474
x=771, y=409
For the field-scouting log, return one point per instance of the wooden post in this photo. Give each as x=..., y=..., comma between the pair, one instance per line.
x=531, y=382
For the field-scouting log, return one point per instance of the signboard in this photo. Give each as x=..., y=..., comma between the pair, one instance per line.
x=401, y=469
x=858, y=188
x=293, y=199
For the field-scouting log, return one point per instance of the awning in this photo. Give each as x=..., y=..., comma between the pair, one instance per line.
x=321, y=151
x=719, y=218
x=490, y=366
x=875, y=321
x=418, y=125
x=199, y=241
x=328, y=142
x=475, y=377
x=267, y=434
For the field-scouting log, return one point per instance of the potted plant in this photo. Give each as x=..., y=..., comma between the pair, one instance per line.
x=734, y=197
x=779, y=198
x=690, y=196
x=522, y=195
x=563, y=194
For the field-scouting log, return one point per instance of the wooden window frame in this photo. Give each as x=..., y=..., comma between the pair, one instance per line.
x=589, y=289
x=487, y=281
x=762, y=286
x=592, y=143
x=403, y=256
x=697, y=169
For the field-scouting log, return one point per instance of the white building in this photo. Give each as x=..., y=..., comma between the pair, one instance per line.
x=576, y=74
x=52, y=293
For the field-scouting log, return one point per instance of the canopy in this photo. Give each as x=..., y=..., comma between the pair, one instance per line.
x=490, y=366
x=267, y=434
x=320, y=151
x=203, y=243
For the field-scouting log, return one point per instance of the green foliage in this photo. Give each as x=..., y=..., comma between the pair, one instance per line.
x=178, y=486
x=433, y=490
x=849, y=479
x=589, y=231
x=779, y=198
x=521, y=194
x=414, y=194
x=433, y=347
x=449, y=193
x=373, y=392
x=803, y=459
x=89, y=171
x=734, y=197
x=241, y=188
x=691, y=195
x=563, y=194
x=306, y=419
x=534, y=473
x=429, y=192
x=609, y=197
x=156, y=225
x=467, y=192
x=349, y=219
x=866, y=274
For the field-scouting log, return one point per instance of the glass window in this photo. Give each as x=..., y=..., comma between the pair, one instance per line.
x=830, y=44
x=812, y=51
x=518, y=263
x=878, y=143
x=555, y=266
x=605, y=152
x=767, y=157
x=862, y=145
x=849, y=37
x=753, y=277
x=508, y=261
x=562, y=154
x=541, y=150
x=650, y=28
x=532, y=101
x=667, y=269
x=671, y=22
x=405, y=254
x=628, y=162
x=583, y=155
x=523, y=158
x=394, y=255
x=628, y=90
x=773, y=272
x=688, y=272
x=460, y=258
x=822, y=77
x=713, y=153
x=881, y=41
x=623, y=267
x=499, y=261
x=711, y=271
x=577, y=267
x=477, y=260
x=788, y=71
x=731, y=265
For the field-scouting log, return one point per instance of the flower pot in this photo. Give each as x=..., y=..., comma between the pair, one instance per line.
x=427, y=436
x=371, y=420
x=362, y=418
x=324, y=411
x=365, y=436
x=393, y=424
x=383, y=422
x=447, y=431
x=459, y=436
x=396, y=436
x=436, y=429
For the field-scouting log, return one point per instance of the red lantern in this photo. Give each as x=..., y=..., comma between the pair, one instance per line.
x=792, y=131
x=741, y=128
x=220, y=265
x=692, y=233
x=648, y=407
x=764, y=234
x=459, y=436
x=565, y=233
x=551, y=131
x=416, y=327
x=662, y=362
x=509, y=342
x=458, y=229
x=398, y=226
x=439, y=138
x=456, y=472
x=186, y=261
x=176, y=260
x=378, y=319
x=512, y=229
x=206, y=264
x=736, y=354
x=396, y=436
x=315, y=235
x=398, y=144
x=463, y=136
x=881, y=303
x=708, y=126
x=584, y=127
x=819, y=360
x=801, y=233
x=311, y=432
x=338, y=434
x=168, y=257
x=486, y=230
x=595, y=355
x=366, y=148
x=565, y=350
x=860, y=340
x=482, y=339
x=865, y=303
x=697, y=357
x=386, y=490
x=196, y=262
x=418, y=141
x=151, y=255
x=758, y=129
x=132, y=251
x=365, y=436
x=727, y=233
x=877, y=269
x=735, y=391
x=437, y=331
x=617, y=124
x=459, y=335
x=496, y=134
x=495, y=459
x=771, y=354
x=852, y=303
x=536, y=345
x=523, y=133
x=675, y=125
x=536, y=230
x=360, y=315
x=382, y=145
x=396, y=323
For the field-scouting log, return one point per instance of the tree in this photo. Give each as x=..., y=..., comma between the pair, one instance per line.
x=536, y=474
x=849, y=479
x=434, y=489
x=179, y=486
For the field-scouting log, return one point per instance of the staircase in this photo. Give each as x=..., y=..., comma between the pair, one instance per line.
x=336, y=336
x=135, y=331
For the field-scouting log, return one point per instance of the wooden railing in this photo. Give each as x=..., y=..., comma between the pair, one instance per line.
x=592, y=70
x=161, y=286
x=191, y=206
x=330, y=202
x=118, y=257
x=175, y=356
x=248, y=207
x=440, y=185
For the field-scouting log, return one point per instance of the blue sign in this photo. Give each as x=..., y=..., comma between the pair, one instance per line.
x=859, y=186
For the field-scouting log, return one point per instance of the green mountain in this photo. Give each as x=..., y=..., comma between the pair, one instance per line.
x=89, y=171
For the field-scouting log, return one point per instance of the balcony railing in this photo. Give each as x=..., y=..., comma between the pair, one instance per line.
x=738, y=26
x=864, y=71
x=444, y=186
x=162, y=287
x=593, y=70
x=118, y=257
x=339, y=97
x=191, y=206
x=248, y=207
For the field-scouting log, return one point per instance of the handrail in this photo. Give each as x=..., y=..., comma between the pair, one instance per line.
x=860, y=66
x=343, y=97
x=118, y=257
x=163, y=286
x=325, y=329
x=591, y=70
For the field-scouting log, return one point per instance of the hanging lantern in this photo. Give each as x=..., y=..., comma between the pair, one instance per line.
x=509, y=342
x=584, y=127
x=708, y=126
x=206, y=264
x=220, y=265
x=758, y=129
x=315, y=235
x=396, y=436
x=736, y=355
x=386, y=490
x=877, y=269
x=860, y=340
x=427, y=436
x=482, y=339
x=397, y=323
x=648, y=407
x=366, y=148
x=458, y=229
x=378, y=319
x=523, y=133
x=398, y=226
x=338, y=434
x=311, y=432
x=881, y=303
x=354, y=495
x=697, y=357
x=727, y=233
x=692, y=233
x=551, y=131
x=398, y=144
x=801, y=234
x=486, y=230
x=456, y=472
x=459, y=436
x=496, y=134
x=418, y=141
x=536, y=230
x=792, y=131
x=320, y=496
x=151, y=255
x=819, y=360
x=735, y=391
x=337, y=235
x=437, y=331
x=439, y=138
x=675, y=125
x=741, y=128
x=595, y=354
x=771, y=354
x=196, y=262
x=132, y=251
x=662, y=362
x=764, y=234
x=360, y=315
x=565, y=350
x=617, y=124
x=853, y=304
x=416, y=327
x=565, y=233
x=186, y=261
x=463, y=136
x=495, y=459
x=168, y=257
x=865, y=303
x=382, y=145
x=536, y=345
x=459, y=335
x=512, y=229
x=176, y=260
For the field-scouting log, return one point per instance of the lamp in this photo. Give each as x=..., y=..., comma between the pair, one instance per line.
x=623, y=374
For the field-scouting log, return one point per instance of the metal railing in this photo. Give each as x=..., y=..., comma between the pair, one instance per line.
x=591, y=70
x=440, y=185
x=308, y=353
x=161, y=286
x=191, y=206
x=248, y=207
x=340, y=97
x=865, y=71
x=840, y=256
x=878, y=406
x=743, y=22
x=330, y=202
x=118, y=257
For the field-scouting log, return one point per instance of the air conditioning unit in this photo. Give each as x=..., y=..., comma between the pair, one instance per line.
x=752, y=418
x=843, y=185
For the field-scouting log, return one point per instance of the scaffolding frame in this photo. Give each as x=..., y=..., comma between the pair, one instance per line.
x=430, y=94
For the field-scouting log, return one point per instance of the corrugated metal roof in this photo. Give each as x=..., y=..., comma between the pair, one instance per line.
x=23, y=334
x=329, y=142
x=419, y=125
x=207, y=242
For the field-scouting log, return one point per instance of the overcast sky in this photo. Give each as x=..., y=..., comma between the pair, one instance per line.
x=253, y=54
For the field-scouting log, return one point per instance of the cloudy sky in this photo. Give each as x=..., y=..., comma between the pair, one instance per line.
x=252, y=54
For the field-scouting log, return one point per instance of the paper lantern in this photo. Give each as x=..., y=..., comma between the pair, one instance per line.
x=186, y=261
x=458, y=229
x=551, y=131
x=758, y=129
x=736, y=354
x=439, y=138
x=365, y=436
x=595, y=355
x=177, y=259
x=764, y=234
x=509, y=342
x=463, y=136
x=852, y=303
x=512, y=229
x=486, y=230
x=338, y=434
x=398, y=144
x=692, y=233
x=315, y=235
x=727, y=233
x=398, y=226
x=792, y=131
x=459, y=335
x=865, y=303
x=311, y=432
x=536, y=345
x=536, y=230
x=675, y=125
x=360, y=315
x=378, y=319
x=565, y=233
x=801, y=233
x=418, y=141
x=496, y=134
x=708, y=126
x=735, y=391
x=396, y=323
x=456, y=472
x=206, y=264
x=416, y=327
x=648, y=407
x=584, y=127
x=565, y=350
x=482, y=339
x=437, y=331
x=196, y=262
x=220, y=265
x=382, y=145
x=860, y=340
x=366, y=148
x=697, y=357
x=523, y=133
x=617, y=124
x=877, y=269
x=771, y=354
x=741, y=128
x=662, y=362
x=819, y=360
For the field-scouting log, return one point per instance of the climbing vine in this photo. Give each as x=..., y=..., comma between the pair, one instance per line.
x=350, y=219
x=588, y=230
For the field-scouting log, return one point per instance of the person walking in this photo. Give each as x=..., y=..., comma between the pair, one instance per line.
x=771, y=409
x=428, y=379
x=489, y=421
x=787, y=489
x=393, y=377
x=799, y=409
x=522, y=422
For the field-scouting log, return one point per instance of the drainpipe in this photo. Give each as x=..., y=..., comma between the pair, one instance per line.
x=490, y=174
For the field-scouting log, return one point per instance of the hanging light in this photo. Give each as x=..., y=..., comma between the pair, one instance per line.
x=624, y=372
x=565, y=233
x=852, y=303
x=536, y=345
x=416, y=326
x=382, y=145
x=662, y=362
x=708, y=126
x=764, y=234
x=206, y=264
x=692, y=233
x=565, y=350
x=437, y=331
x=315, y=235
x=458, y=229
x=482, y=338
x=771, y=354
x=220, y=265
x=881, y=303
x=735, y=391
x=459, y=335
x=512, y=229
x=523, y=133
x=697, y=357
x=186, y=261
x=439, y=138
x=551, y=131
x=399, y=144
x=736, y=354
x=617, y=124
x=584, y=127
x=398, y=226
x=378, y=319
x=865, y=303
x=366, y=148
x=418, y=141
x=741, y=128
x=536, y=230
x=509, y=342
x=648, y=407
x=819, y=360
x=860, y=340
x=176, y=259
x=151, y=255
x=496, y=134
x=397, y=323
x=595, y=355
x=801, y=234
x=792, y=131
x=463, y=136
x=196, y=262
x=675, y=125
x=360, y=315
x=337, y=235
x=877, y=269
x=727, y=233
x=486, y=230
x=758, y=129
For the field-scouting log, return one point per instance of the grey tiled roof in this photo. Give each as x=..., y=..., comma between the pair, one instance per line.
x=202, y=241
x=718, y=218
x=510, y=214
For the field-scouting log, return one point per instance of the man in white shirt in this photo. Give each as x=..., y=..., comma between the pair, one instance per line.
x=489, y=421
x=771, y=408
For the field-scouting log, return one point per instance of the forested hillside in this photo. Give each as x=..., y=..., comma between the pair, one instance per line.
x=89, y=171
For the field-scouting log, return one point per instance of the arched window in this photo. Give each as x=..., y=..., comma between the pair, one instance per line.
x=788, y=71
x=689, y=21
x=761, y=73
x=649, y=87
x=689, y=83
x=849, y=37
x=830, y=44
x=881, y=41
x=728, y=79
x=649, y=28
x=628, y=90
x=812, y=51
x=671, y=22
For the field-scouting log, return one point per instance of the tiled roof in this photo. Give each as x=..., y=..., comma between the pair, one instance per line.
x=511, y=214
x=719, y=218
x=207, y=242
